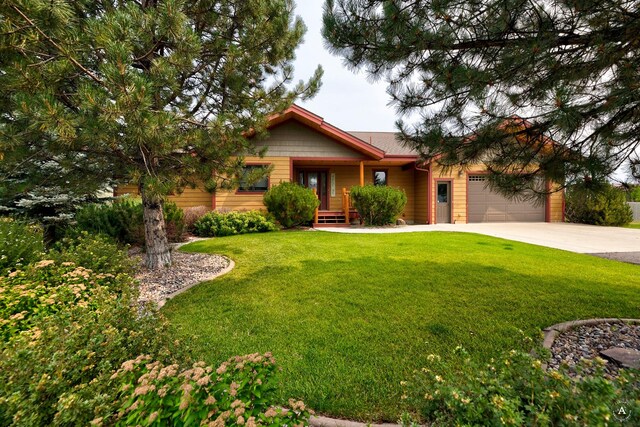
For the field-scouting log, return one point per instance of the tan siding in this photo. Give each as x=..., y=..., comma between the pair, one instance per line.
x=293, y=139
x=556, y=202
x=125, y=189
x=191, y=197
x=421, y=184
x=232, y=200
x=188, y=198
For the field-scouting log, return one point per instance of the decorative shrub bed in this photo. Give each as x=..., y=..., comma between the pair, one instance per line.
x=291, y=204
x=123, y=220
x=71, y=341
x=216, y=224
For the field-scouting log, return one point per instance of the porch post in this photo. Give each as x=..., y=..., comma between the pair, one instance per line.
x=361, y=173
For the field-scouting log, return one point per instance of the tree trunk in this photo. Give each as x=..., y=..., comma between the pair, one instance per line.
x=155, y=233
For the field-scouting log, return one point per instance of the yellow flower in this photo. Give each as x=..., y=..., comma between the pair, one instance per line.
x=554, y=394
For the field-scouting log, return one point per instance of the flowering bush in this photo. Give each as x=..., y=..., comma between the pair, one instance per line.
x=238, y=392
x=95, y=252
x=216, y=224
x=20, y=244
x=46, y=288
x=192, y=214
x=65, y=330
x=516, y=390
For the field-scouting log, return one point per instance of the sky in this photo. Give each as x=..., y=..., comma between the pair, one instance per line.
x=346, y=100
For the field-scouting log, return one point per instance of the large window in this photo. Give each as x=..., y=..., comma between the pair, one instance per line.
x=380, y=177
x=248, y=184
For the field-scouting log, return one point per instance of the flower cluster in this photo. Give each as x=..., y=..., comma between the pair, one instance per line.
x=513, y=389
x=45, y=288
x=236, y=392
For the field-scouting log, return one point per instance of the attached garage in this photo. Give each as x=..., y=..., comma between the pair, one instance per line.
x=485, y=205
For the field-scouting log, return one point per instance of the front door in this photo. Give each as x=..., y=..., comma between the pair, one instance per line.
x=443, y=205
x=316, y=180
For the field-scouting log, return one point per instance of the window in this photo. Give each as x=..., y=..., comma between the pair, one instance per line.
x=250, y=172
x=380, y=177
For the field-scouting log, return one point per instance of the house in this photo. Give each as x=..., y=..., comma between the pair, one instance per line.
x=303, y=148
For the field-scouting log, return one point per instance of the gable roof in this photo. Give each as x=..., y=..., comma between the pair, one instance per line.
x=317, y=123
x=386, y=141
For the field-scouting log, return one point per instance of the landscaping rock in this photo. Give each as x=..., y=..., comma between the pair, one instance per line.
x=626, y=357
x=401, y=221
x=187, y=269
x=587, y=341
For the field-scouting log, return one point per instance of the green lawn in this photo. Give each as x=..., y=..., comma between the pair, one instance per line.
x=633, y=225
x=350, y=316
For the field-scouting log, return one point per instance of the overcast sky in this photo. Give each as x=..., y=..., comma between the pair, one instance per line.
x=346, y=100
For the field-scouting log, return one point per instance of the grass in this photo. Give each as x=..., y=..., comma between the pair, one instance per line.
x=633, y=225
x=350, y=316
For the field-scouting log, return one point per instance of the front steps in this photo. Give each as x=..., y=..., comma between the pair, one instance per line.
x=331, y=219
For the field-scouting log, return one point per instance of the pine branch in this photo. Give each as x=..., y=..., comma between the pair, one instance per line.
x=57, y=46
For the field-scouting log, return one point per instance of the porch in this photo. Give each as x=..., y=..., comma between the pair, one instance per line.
x=332, y=179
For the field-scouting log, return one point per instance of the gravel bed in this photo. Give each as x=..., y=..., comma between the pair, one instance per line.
x=186, y=270
x=586, y=342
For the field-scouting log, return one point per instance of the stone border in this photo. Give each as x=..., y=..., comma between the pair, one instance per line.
x=551, y=332
x=222, y=272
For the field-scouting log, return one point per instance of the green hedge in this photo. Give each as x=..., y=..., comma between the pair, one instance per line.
x=378, y=205
x=605, y=205
x=123, y=220
x=216, y=224
x=291, y=204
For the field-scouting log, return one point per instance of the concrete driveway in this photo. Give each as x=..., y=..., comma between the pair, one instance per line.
x=588, y=239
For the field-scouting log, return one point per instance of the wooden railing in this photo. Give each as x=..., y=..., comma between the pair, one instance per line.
x=315, y=214
x=346, y=205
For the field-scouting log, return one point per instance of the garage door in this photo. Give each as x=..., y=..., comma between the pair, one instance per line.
x=487, y=206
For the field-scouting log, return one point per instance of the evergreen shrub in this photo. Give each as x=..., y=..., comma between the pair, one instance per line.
x=378, y=204
x=217, y=224
x=291, y=204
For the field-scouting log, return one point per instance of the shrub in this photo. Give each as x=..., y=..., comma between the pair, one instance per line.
x=46, y=288
x=291, y=204
x=601, y=206
x=377, y=204
x=98, y=253
x=634, y=194
x=238, y=392
x=515, y=389
x=123, y=220
x=174, y=220
x=20, y=244
x=72, y=328
x=191, y=215
x=215, y=224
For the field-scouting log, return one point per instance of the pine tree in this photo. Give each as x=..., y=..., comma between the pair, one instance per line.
x=496, y=81
x=159, y=93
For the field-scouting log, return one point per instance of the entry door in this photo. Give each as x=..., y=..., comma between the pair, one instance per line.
x=317, y=180
x=443, y=202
